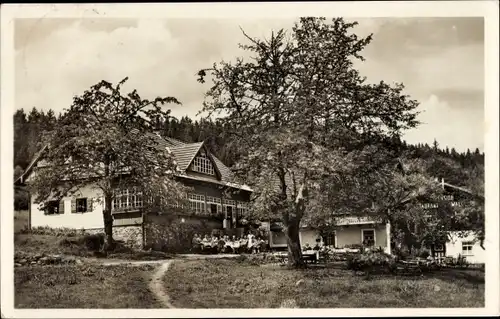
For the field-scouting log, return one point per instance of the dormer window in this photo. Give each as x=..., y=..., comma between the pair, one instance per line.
x=202, y=164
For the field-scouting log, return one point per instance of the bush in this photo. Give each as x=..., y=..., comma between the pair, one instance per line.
x=94, y=242
x=172, y=236
x=421, y=253
x=460, y=261
x=371, y=261
x=401, y=253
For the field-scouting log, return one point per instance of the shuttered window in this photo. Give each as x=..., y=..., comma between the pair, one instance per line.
x=81, y=205
x=54, y=207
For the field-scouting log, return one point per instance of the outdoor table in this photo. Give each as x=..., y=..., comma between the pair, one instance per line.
x=311, y=255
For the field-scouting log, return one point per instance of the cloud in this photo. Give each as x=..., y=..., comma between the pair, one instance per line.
x=57, y=59
x=453, y=68
x=160, y=58
x=459, y=128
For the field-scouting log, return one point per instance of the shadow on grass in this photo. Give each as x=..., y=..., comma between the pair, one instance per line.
x=472, y=276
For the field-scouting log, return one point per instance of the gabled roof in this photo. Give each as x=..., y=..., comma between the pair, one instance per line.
x=225, y=172
x=36, y=158
x=464, y=190
x=164, y=142
x=173, y=141
x=183, y=153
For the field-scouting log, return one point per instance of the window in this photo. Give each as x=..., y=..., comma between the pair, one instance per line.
x=178, y=203
x=242, y=208
x=368, y=237
x=215, y=205
x=229, y=209
x=329, y=239
x=438, y=247
x=197, y=202
x=229, y=217
x=229, y=212
x=81, y=205
x=127, y=199
x=467, y=248
x=136, y=199
x=202, y=164
x=54, y=207
x=228, y=206
x=228, y=202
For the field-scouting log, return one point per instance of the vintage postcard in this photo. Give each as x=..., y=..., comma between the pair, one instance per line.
x=249, y=159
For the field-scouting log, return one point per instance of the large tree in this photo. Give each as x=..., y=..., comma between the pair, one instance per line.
x=105, y=141
x=302, y=113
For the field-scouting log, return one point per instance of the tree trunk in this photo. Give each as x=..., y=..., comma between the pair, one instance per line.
x=293, y=243
x=108, y=224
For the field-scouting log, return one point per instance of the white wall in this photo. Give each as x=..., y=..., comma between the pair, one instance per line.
x=308, y=236
x=346, y=235
x=454, y=248
x=88, y=220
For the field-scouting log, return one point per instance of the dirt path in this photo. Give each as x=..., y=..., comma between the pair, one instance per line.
x=158, y=288
x=156, y=285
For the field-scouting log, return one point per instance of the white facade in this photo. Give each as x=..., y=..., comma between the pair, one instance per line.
x=348, y=234
x=68, y=219
x=466, y=246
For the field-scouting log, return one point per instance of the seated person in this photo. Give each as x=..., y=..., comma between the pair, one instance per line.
x=205, y=244
x=265, y=244
x=212, y=244
x=243, y=243
x=228, y=244
x=235, y=244
x=257, y=246
x=306, y=247
x=196, y=242
x=205, y=241
x=214, y=240
x=221, y=245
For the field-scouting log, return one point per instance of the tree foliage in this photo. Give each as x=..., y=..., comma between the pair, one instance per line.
x=303, y=113
x=296, y=119
x=105, y=142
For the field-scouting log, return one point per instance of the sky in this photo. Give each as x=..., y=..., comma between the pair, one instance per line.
x=439, y=60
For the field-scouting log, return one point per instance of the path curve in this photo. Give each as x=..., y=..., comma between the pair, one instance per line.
x=157, y=286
